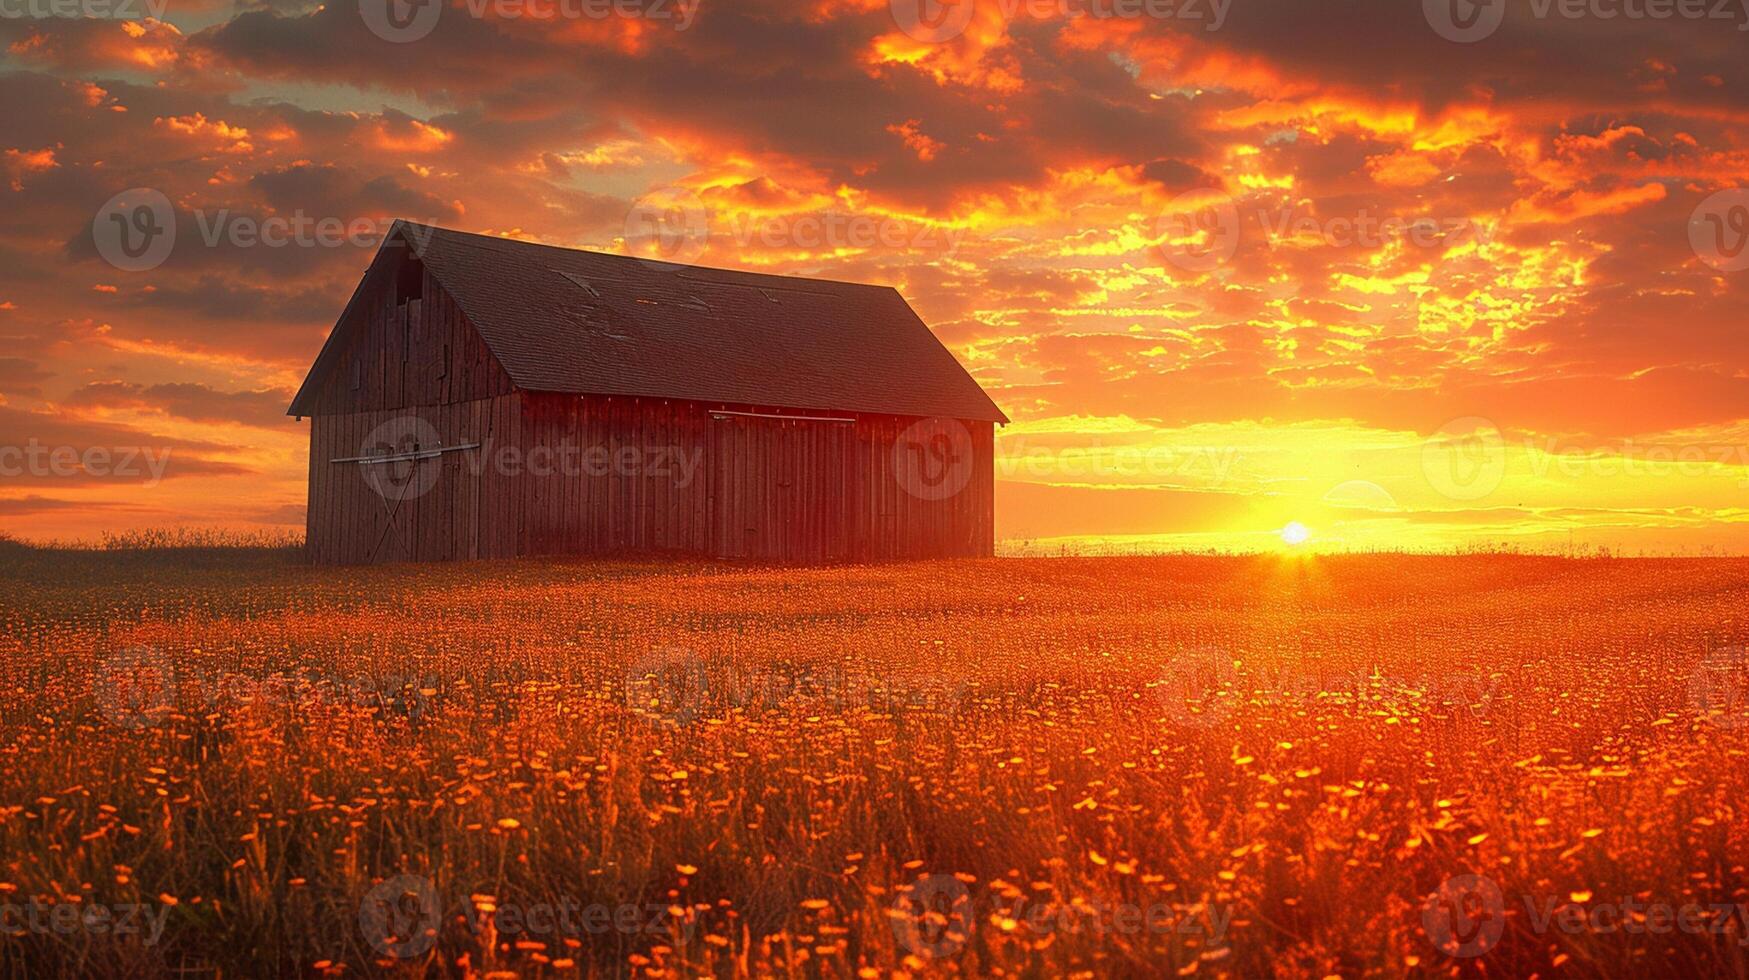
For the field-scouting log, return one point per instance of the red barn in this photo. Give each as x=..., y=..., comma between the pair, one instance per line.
x=488, y=398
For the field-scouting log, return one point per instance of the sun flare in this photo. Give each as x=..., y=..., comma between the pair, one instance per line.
x=1295, y=533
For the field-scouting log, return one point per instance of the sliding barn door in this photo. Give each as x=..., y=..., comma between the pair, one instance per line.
x=780, y=488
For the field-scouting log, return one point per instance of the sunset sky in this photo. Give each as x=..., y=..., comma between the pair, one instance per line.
x=1409, y=278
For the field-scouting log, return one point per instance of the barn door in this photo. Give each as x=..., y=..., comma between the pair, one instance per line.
x=779, y=487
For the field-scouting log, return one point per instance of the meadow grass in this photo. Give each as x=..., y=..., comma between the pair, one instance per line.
x=1190, y=765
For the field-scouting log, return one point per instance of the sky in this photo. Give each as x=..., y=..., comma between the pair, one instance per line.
x=1412, y=275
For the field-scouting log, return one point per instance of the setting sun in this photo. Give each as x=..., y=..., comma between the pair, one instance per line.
x=1295, y=533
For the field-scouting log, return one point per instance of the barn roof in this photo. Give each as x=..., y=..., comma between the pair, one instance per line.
x=572, y=321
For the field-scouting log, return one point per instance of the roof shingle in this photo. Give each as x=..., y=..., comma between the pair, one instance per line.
x=564, y=320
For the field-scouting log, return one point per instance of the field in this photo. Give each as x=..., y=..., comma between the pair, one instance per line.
x=221, y=763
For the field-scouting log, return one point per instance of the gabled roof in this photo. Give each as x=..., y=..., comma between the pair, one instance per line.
x=564, y=320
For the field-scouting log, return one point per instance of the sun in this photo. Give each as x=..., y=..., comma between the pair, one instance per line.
x=1295, y=533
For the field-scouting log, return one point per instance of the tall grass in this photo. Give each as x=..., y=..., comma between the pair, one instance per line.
x=1288, y=756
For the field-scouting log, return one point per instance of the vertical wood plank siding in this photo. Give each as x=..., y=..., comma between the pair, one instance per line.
x=570, y=474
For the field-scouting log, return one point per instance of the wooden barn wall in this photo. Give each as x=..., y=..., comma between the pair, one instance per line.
x=566, y=474
x=406, y=352
x=650, y=475
x=471, y=510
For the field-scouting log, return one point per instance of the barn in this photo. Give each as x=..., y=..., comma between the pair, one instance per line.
x=488, y=398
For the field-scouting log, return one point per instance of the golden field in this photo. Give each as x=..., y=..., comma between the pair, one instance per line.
x=1201, y=766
